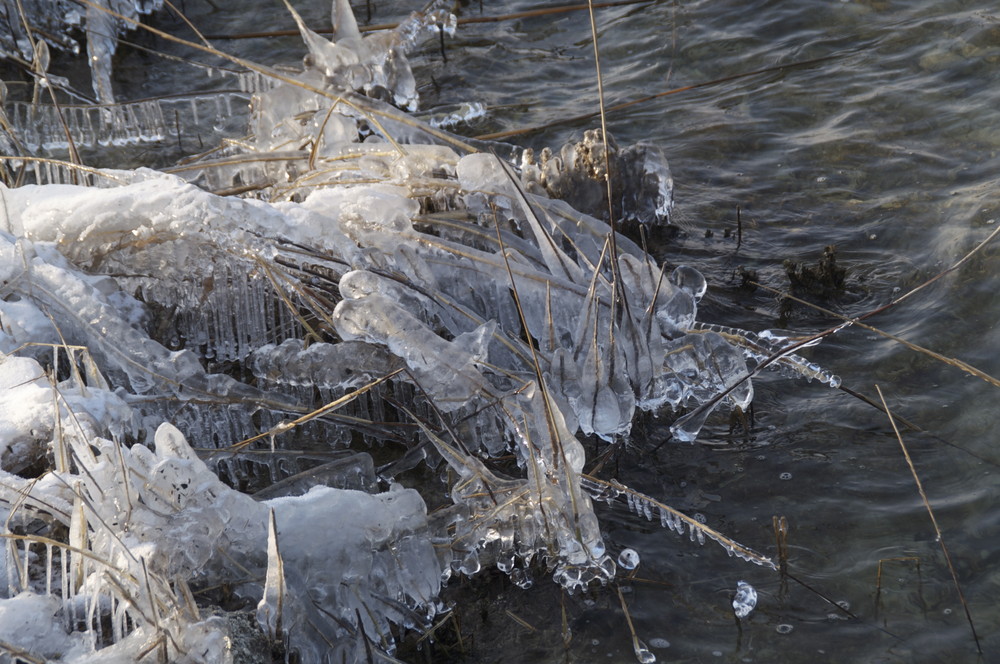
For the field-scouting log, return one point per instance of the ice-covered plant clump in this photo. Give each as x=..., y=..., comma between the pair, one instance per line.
x=347, y=277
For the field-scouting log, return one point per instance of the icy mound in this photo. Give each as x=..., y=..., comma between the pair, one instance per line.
x=380, y=282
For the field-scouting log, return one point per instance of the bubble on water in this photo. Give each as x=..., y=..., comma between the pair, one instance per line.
x=784, y=628
x=628, y=559
x=745, y=599
x=657, y=642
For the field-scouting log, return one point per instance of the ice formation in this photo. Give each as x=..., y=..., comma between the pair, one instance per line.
x=375, y=273
x=745, y=599
x=56, y=23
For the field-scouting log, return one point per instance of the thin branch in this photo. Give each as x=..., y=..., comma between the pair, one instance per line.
x=930, y=512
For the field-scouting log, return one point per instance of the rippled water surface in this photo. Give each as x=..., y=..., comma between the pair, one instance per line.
x=875, y=129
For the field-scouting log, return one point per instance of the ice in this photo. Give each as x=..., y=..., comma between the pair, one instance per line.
x=60, y=21
x=41, y=128
x=640, y=178
x=27, y=624
x=628, y=559
x=199, y=367
x=465, y=113
x=745, y=599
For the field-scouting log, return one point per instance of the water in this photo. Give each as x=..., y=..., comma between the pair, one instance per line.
x=889, y=151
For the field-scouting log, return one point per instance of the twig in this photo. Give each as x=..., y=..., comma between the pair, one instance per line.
x=637, y=645
x=964, y=366
x=930, y=512
x=812, y=339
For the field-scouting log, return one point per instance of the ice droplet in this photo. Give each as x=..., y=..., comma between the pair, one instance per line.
x=642, y=652
x=745, y=599
x=628, y=559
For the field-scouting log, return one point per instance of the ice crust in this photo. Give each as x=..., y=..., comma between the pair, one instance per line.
x=384, y=282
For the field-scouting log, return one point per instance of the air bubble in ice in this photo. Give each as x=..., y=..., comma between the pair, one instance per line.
x=642, y=652
x=628, y=559
x=785, y=476
x=784, y=628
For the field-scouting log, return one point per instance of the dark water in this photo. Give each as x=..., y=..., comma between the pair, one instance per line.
x=887, y=149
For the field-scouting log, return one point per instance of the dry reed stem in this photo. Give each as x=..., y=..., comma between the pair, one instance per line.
x=18, y=654
x=780, y=525
x=539, y=377
x=65, y=164
x=959, y=364
x=809, y=340
x=637, y=645
x=690, y=522
x=283, y=427
x=930, y=513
